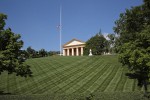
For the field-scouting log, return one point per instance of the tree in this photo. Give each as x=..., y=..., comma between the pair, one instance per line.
x=136, y=55
x=10, y=56
x=106, y=48
x=31, y=52
x=42, y=53
x=111, y=39
x=133, y=42
x=96, y=43
x=111, y=42
x=23, y=55
x=2, y=21
x=51, y=53
x=131, y=22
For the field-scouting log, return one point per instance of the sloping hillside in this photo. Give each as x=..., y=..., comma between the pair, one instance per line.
x=71, y=75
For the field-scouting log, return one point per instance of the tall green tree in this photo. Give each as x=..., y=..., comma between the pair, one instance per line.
x=132, y=21
x=96, y=44
x=10, y=56
x=136, y=55
x=133, y=42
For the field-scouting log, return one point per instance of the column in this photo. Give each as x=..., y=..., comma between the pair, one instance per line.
x=67, y=52
x=72, y=51
x=77, y=53
x=81, y=51
x=64, y=52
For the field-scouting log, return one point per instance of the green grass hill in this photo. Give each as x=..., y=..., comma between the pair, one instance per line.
x=84, y=77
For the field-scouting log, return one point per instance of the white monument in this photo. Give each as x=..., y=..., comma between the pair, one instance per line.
x=90, y=54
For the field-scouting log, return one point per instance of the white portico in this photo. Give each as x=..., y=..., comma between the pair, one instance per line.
x=73, y=48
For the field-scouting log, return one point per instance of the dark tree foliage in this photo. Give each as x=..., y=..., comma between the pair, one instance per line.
x=2, y=21
x=52, y=53
x=31, y=52
x=136, y=55
x=133, y=42
x=97, y=44
x=43, y=53
x=131, y=22
x=10, y=55
x=24, y=54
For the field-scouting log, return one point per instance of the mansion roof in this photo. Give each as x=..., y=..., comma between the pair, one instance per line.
x=74, y=42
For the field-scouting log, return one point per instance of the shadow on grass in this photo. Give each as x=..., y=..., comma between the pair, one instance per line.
x=131, y=75
x=2, y=93
x=140, y=82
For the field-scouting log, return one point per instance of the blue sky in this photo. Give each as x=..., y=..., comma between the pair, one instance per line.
x=36, y=20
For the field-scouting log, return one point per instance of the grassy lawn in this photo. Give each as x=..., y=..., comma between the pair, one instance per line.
x=100, y=77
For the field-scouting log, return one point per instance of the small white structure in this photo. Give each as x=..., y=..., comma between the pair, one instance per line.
x=73, y=48
x=90, y=54
x=108, y=53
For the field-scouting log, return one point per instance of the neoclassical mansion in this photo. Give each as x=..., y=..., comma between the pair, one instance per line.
x=73, y=48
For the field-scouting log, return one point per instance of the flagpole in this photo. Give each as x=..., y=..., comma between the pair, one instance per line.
x=60, y=29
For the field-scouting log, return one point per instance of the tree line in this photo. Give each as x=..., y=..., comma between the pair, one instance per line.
x=32, y=53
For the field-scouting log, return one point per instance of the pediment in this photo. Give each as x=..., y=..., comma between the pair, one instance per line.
x=74, y=42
